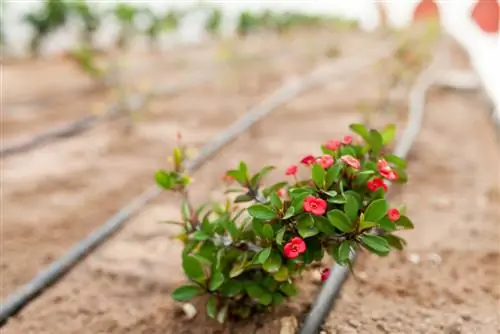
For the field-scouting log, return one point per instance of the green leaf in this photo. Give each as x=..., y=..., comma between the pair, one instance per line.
x=387, y=225
x=332, y=174
x=400, y=162
x=275, y=201
x=268, y=232
x=243, y=198
x=278, y=298
x=238, y=266
x=298, y=203
x=273, y=263
x=281, y=275
x=344, y=251
x=262, y=256
x=351, y=207
x=244, y=169
x=164, y=180
x=288, y=289
x=231, y=288
x=318, y=175
x=376, y=243
x=305, y=226
x=330, y=193
x=231, y=227
x=365, y=224
x=361, y=130
x=260, y=175
x=193, y=268
x=376, y=210
x=185, y=211
x=222, y=315
x=338, y=219
x=216, y=280
x=187, y=292
x=395, y=241
x=324, y=225
x=405, y=222
x=238, y=176
x=388, y=133
x=376, y=141
x=200, y=236
x=280, y=235
x=257, y=226
x=212, y=307
x=258, y=293
x=261, y=211
x=290, y=212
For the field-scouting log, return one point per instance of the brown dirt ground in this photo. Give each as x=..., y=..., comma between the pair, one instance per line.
x=453, y=196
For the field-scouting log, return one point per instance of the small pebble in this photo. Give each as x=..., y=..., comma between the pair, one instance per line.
x=189, y=311
x=288, y=325
x=414, y=258
x=316, y=276
x=435, y=259
x=362, y=276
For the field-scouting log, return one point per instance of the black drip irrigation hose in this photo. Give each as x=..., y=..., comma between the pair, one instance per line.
x=330, y=291
x=288, y=91
x=86, y=123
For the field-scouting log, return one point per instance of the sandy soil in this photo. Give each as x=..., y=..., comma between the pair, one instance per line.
x=124, y=286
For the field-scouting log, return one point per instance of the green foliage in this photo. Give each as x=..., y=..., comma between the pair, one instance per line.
x=90, y=18
x=50, y=17
x=246, y=260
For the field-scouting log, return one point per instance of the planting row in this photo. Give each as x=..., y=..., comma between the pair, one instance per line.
x=80, y=182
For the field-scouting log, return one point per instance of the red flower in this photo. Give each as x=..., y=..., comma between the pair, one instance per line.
x=389, y=174
x=325, y=273
x=332, y=144
x=308, y=160
x=291, y=170
x=347, y=140
x=325, y=161
x=294, y=248
x=382, y=165
x=281, y=192
x=314, y=205
x=393, y=215
x=376, y=183
x=351, y=161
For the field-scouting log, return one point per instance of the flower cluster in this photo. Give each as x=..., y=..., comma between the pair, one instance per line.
x=247, y=259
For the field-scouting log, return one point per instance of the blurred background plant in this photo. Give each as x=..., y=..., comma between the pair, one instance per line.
x=53, y=15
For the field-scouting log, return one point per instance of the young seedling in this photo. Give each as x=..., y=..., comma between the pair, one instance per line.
x=52, y=16
x=246, y=254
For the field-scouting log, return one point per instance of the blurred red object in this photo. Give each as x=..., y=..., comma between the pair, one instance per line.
x=426, y=9
x=486, y=15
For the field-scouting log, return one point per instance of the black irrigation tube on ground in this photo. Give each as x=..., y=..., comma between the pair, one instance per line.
x=284, y=94
x=331, y=289
x=85, y=123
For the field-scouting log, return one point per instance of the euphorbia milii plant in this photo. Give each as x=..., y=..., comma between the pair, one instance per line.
x=246, y=259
